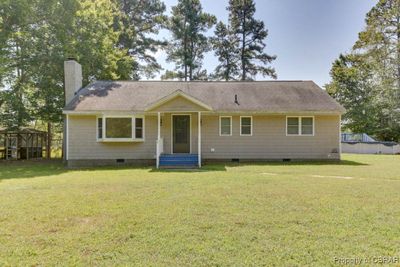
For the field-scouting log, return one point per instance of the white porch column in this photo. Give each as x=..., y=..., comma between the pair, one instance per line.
x=199, y=137
x=158, y=126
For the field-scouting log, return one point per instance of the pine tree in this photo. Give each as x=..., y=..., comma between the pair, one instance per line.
x=225, y=45
x=140, y=20
x=189, y=43
x=252, y=34
x=380, y=41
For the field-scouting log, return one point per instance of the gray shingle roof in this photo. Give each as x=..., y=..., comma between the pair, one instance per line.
x=260, y=96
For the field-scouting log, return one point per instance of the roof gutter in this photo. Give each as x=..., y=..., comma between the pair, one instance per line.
x=124, y=112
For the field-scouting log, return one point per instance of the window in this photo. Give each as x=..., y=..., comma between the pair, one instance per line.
x=300, y=125
x=99, y=128
x=307, y=126
x=139, y=128
x=292, y=126
x=225, y=126
x=118, y=127
x=246, y=125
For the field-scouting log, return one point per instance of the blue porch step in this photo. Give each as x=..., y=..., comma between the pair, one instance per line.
x=179, y=160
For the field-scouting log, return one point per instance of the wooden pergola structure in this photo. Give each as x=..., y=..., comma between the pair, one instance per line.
x=25, y=143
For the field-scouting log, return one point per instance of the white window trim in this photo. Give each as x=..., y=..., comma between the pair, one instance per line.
x=134, y=127
x=300, y=128
x=220, y=133
x=131, y=139
x=97, y=128
x=251, y=125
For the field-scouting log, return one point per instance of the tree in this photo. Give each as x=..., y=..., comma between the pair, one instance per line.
x=140, y=20
x=225, y=45
x=251, y=34
x=189, y=43
x=352, y=85
x=39, y=35
x=13, y=110
x=43, y=33
x=380, y=41
x=378, y=47
x=15, y=48
x=87, y=35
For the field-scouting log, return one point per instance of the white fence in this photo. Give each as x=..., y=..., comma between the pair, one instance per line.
x=370, y=148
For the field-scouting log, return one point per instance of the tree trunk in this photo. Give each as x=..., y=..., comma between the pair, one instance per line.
x=398, y=58
x=48, y=145
x=228, y=70
x=243, y=46
x=185, y=50
x=191, y=61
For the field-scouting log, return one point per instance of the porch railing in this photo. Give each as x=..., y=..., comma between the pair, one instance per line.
x=160, y=150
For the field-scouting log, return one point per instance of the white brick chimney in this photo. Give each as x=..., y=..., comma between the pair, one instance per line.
x=72, y=79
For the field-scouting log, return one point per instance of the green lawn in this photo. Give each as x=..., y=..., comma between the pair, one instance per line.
x=262, y=214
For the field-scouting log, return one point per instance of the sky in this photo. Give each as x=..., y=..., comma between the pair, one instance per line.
x=305, y=35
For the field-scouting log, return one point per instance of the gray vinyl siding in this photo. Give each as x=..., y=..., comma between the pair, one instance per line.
x=269, y=140
x=82, y=142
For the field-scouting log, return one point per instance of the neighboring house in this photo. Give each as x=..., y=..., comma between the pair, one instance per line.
x=171, y=123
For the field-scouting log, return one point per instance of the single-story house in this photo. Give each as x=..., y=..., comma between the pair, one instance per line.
x=175, y=123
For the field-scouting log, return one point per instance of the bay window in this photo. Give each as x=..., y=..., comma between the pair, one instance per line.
x=138, y=128
x=100, y=128
x=120, y=128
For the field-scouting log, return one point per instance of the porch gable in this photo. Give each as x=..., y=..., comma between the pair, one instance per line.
x=178, y=102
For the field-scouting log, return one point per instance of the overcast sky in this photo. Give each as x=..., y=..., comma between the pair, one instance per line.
x=306, y=35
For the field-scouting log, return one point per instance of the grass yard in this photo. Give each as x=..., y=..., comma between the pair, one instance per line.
x=263, y=214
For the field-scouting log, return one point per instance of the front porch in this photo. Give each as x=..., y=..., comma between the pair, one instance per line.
x=178, y=130
x=178, y=140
